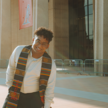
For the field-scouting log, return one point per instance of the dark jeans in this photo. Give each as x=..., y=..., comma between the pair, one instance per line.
x=28, y=100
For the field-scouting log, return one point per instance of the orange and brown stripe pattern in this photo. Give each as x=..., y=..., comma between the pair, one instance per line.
x=20, y=72
x=46, y=60
x=45, y=72
x=14, y=95
x=42, y=82
x=11, y=105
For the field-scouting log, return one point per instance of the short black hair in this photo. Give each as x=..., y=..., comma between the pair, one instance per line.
x=46, y=33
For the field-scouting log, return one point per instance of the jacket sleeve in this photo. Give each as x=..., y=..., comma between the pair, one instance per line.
x=11, y=69
x=49, y=93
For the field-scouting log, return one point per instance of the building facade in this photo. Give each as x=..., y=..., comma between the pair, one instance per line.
x=79, y=26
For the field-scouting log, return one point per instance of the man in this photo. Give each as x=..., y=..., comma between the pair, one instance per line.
x=31, y=74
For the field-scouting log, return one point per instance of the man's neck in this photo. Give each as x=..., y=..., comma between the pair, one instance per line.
x=36, y=55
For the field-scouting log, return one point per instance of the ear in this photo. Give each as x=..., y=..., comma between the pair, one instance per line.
x=48, y=46
x=32, y=40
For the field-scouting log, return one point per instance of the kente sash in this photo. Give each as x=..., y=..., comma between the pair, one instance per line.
x=14, y=93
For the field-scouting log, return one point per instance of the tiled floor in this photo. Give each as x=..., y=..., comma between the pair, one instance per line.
x=73, y=91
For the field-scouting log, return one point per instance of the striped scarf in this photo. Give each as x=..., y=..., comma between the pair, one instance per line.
x=19, y=75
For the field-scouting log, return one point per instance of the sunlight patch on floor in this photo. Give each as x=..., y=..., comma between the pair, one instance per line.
x=63, y=103
x=3, y=94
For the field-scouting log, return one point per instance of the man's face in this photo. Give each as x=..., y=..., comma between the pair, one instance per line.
x=40, y=44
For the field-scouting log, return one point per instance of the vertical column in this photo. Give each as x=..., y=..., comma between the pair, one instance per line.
x=98, y=37
x=101, y=33
x=40, y=14
x=34, y=16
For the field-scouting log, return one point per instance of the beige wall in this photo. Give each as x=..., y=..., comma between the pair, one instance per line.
x=19, y=37
x=58, y=22
x=0, y=24
x=61, y=29
x=105, y=29
x=6, y=42
x=10, y=34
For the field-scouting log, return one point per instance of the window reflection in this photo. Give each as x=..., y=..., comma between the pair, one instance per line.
x=86, y=10
x=90, y=24
x=86, y=25
x=85, y=2
x=91, y=9
x=90, y=1
x=91, y=37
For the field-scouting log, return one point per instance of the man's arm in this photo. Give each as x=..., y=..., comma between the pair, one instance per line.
x=49, y=93
x=11, y=69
